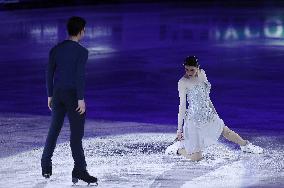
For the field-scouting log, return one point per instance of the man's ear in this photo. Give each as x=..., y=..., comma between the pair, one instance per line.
x=81, y=32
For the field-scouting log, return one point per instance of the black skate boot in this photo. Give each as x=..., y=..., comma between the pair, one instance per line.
x=84, y=176
x=46, y=171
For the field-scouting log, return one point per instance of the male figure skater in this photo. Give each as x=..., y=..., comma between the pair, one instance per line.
x=65, y=81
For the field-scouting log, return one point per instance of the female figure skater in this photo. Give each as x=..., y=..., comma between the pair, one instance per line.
x=199, y=125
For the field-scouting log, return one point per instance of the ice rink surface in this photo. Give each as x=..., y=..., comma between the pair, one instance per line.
x=135, y=61
x=134, y=157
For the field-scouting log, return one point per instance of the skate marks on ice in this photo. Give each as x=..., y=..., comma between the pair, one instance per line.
x=138, y=160
x=24, y=132
x=225, y=167
x=118, y=161
x=184, y=170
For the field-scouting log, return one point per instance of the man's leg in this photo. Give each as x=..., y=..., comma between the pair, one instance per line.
x=77, y=123
x=58, y=113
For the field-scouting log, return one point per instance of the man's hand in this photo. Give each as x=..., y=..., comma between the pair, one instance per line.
x=49, y=102
x=81, y=107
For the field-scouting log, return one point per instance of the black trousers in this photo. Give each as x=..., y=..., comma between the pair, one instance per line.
x=65, y=101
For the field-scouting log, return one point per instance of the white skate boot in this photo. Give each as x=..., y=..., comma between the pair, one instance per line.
x=250, y=148
x=173, y=149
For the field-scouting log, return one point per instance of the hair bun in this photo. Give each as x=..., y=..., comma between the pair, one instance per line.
x=191, y=61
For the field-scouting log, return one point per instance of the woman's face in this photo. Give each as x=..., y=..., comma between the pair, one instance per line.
x=190, y=70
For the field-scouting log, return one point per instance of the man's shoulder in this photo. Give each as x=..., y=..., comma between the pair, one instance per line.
x=65, y=43
x=53, y=49
x=82, y=49
x=56, y=46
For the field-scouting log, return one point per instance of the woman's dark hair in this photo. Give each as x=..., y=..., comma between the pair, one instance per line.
x=191, y=61
x=75, y=25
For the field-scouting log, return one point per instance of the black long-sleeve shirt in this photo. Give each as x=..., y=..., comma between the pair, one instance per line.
x=66, y=68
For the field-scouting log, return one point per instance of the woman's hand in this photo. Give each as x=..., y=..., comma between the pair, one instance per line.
x=179, y=135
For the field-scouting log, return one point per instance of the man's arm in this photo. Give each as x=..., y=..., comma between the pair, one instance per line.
x=80, y=81
x=80, y=75
x=50, y=73
x=50, y=70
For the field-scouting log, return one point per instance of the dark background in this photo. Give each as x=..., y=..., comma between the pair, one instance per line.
x=136, y=53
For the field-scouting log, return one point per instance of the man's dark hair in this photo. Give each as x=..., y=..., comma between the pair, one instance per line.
x=75, y=25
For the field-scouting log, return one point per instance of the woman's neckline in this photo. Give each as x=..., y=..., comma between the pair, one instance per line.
x=190, y=78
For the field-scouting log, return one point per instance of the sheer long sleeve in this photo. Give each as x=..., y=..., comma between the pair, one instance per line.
x=212, y=106
x=182, y=104
x=204, y=75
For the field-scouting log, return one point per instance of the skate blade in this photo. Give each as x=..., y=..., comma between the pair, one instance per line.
x=93, y=184
x=46, y=176
x=75, y=181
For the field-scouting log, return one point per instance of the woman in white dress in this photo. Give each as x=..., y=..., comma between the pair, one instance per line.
x=199, y=125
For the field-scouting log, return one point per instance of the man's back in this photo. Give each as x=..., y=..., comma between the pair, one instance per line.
x=66, y=67
x=66, y=74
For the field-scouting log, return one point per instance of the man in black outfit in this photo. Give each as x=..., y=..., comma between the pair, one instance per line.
x=65, y=81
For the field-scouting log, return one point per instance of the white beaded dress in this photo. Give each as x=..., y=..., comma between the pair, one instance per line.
x=199, y=121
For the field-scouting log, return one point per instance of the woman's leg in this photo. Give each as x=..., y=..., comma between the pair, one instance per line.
x=233, y=137
x=194, y=156
x=245, y=145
